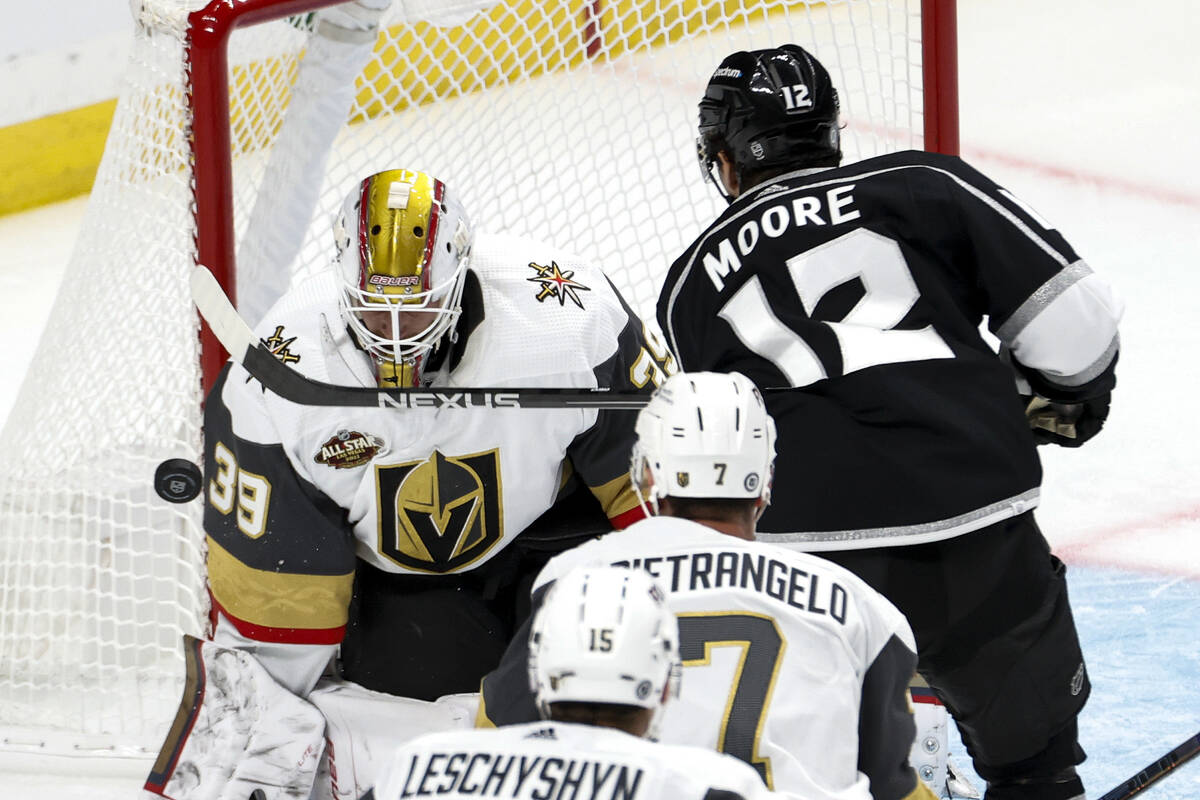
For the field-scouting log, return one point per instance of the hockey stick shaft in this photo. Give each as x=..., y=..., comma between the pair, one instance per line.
x=1152, y=772
x=238, y=339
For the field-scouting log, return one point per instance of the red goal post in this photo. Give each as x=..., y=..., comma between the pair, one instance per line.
x=939, y=46
x=241, y=125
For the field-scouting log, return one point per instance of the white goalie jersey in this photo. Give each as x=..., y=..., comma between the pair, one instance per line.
x=557, y=759
x=791, y=663
x=297, y=494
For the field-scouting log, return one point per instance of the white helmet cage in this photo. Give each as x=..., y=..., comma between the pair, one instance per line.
x=704, y=435
x=403, y=241
x=605, y=635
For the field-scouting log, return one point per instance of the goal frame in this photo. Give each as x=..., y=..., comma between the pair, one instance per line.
x=208, y=103
x=239, y=127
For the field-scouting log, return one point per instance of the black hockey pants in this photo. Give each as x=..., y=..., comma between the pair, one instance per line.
x=995, y=640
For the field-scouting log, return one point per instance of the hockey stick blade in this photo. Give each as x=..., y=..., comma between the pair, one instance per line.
x=238, y=339
x=1151, y=773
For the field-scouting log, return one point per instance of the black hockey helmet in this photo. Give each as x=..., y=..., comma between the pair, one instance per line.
x=769, y=108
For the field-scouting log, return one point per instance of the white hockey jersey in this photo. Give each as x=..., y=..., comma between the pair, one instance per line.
x=545, y=760
x=295, y=494
x=791, y=663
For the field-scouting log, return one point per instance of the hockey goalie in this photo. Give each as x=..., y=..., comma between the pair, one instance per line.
x=368, y=566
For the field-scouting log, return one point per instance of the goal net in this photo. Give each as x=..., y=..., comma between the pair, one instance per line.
x=239, y=129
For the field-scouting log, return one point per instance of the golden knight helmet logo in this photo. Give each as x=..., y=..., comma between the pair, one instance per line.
x=441, y=514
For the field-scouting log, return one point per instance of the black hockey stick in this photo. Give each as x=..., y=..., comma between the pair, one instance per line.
x=236, y=337
x=1154, y=771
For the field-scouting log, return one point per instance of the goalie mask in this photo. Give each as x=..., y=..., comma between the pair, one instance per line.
x=403, y=241
x=605, y=635
x=768, y=108
x=704, y=435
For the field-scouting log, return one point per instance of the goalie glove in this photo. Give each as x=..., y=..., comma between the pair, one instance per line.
x=1066, y=424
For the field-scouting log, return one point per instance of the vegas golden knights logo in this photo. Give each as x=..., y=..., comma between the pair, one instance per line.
x=440, y=514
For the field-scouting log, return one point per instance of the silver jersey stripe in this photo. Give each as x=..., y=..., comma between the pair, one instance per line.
x=1037, y=302
x=1092, y=372
x=771, y=197
x=908, y=534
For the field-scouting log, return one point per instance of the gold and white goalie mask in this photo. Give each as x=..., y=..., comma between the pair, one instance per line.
x=403, y=242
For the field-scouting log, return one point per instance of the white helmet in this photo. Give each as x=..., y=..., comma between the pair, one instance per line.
x=704, y=435
x=604, y=635
x=402, y=245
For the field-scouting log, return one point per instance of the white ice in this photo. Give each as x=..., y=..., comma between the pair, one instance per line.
x=1089, y=112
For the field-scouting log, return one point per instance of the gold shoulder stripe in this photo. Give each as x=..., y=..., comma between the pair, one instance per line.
x=481, y=717
x=277, y=599
x=567, y=469
x=617, y=496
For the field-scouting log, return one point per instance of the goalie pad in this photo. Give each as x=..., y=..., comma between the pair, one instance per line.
x=930, y=755
x=363, y=729
x=930, y=750
x=237, y=731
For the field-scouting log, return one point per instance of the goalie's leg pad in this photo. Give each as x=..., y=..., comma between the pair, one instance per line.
x=930, y=755
x=237, y=731
x=364, y=727
x=930, y=751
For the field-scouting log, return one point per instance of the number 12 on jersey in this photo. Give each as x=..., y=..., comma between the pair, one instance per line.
x=866, y=335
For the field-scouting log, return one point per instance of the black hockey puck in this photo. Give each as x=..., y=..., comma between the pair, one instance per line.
x=177, y=480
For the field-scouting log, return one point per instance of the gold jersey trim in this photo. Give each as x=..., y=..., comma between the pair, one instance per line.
x=617, y=497
x=277, y=599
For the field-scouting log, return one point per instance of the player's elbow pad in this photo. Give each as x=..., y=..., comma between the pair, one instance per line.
x=1066, y=346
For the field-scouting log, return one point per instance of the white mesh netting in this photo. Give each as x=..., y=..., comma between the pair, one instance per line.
x=567, y=120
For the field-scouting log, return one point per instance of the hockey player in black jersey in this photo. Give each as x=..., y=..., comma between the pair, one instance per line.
x=906, y=452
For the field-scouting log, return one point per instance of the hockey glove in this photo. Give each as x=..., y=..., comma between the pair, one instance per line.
x=1066, y=424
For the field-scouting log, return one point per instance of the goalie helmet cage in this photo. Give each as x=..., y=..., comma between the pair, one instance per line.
x=239, y=128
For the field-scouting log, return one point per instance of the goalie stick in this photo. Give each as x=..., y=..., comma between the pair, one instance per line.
x=238, y=339
x=1154, y=771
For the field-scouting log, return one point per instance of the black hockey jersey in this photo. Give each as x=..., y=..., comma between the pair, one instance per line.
x=864, y=287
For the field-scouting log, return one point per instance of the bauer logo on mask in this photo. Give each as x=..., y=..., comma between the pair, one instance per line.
x=440, y=514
